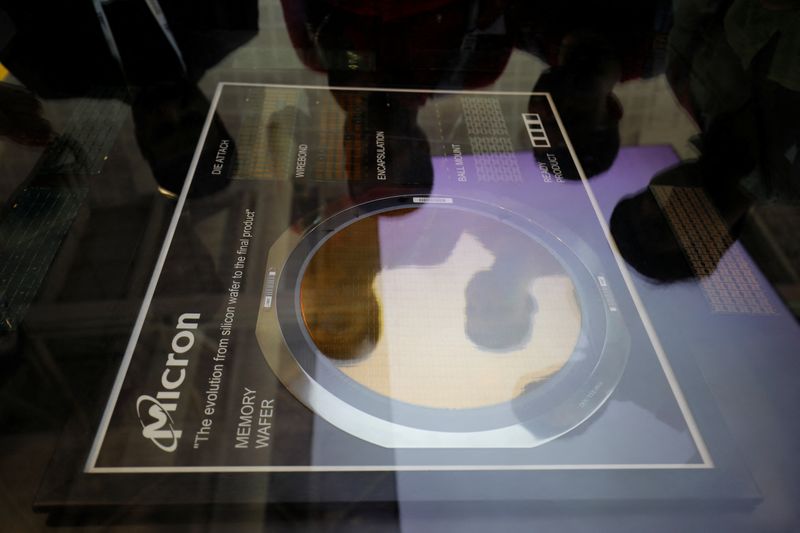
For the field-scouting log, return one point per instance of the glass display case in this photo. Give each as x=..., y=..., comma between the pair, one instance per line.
x=399, y=266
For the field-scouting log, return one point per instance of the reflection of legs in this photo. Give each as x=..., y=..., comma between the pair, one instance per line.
x=168, y=120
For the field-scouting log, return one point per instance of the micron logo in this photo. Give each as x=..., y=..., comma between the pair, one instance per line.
x=154, y=412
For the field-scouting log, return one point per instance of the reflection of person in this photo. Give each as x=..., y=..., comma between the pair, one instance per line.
x=434, y=44
x=380, y=151
x=430, y=44
x=645, y=236
x=738, y=89
x=734, y=66
x=589, y=49
x=61, y=50
x=386, y=151
x=168, y=120
x=589, y=110
x=125, y=51
x=463, y=44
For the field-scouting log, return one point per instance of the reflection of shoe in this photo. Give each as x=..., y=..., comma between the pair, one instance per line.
x=168, y=121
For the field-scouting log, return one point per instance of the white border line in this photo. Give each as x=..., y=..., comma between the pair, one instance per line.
x=151, y=288
x=399, y=468
x=648, y=325
x=377, y=89
x=137, y=329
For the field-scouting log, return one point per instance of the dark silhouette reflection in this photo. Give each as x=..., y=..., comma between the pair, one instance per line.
x=443, y=45
x=735, y=68
x=646, y=237
x=375, y=145
x=386, y=151
x=431, y=44
x=60, y=50
x=106, y=54
x=168, y=120
x=423, y=45
x=341, y=309
x=740, y=88
x=589, y=49
x=590, y=113
x=149, y=58
x=463, y=44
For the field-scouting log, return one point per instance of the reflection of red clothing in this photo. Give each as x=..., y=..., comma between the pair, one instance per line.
x=387, y=10
x=634, y=31
x=413, y=44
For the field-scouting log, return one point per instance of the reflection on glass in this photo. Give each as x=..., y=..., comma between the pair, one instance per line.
x=441, y=308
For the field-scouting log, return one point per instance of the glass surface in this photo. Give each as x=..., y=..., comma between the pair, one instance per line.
x=444, y=265
x=377, y=295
